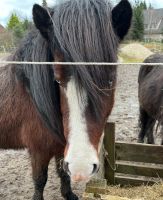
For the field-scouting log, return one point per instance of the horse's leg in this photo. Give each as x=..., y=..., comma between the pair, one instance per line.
x=146, y=124
x=40, y=162
x=150, y=137
x=143, y=119
x=161, y=132
x=66, y=190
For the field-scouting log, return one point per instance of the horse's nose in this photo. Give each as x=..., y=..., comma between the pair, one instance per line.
x=79, y=172
x=66, y=167
x=77, y=177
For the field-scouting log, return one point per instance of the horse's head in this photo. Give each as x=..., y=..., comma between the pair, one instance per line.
x=84, y=30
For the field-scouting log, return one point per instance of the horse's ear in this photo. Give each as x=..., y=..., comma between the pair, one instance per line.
x=121, y=18
x=42, y=20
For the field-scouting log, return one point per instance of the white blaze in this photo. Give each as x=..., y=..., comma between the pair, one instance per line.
x=81, y=154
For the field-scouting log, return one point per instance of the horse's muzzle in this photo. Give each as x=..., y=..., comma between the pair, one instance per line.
x=80, y=176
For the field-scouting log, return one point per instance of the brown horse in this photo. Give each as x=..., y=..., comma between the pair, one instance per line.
x=150, y=97
x=57, y=111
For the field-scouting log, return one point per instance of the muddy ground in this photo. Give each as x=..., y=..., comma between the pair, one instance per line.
x=15, y=170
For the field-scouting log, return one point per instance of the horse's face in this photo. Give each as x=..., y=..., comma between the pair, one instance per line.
x=83, y=133
x=82, y=130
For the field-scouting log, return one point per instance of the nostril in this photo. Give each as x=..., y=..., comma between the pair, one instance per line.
x=95, y=168
x=66, y=167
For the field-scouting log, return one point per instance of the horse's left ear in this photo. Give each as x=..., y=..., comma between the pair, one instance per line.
x=121, y=18
x=42, y=20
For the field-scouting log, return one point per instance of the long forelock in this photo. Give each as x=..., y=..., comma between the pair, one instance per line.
x=84, y=31
x=96, y=86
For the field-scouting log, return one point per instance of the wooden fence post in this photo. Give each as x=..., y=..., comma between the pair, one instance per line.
x=109, y=146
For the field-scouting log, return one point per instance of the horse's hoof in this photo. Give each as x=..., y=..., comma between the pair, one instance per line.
x=71, y=196
x=150, y=142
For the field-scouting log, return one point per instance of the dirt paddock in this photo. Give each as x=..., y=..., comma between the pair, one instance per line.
x=15, y=169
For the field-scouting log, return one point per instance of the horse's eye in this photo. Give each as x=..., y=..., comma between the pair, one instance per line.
x=59, y=82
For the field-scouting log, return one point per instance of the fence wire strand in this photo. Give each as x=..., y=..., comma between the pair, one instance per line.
x=76, y=63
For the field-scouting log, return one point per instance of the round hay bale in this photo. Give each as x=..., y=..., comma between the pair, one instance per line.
x=135, y=51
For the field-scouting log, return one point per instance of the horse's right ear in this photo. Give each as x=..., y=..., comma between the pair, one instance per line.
x=42, y=20
x=121, y=18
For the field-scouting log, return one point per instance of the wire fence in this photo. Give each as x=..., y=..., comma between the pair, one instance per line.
x=77, y=63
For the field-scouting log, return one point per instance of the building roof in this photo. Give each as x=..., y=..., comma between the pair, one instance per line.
x=2, y=29
x=153, y=21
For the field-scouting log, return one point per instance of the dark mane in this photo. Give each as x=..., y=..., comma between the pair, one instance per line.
x=39, y=80
x=82, y=31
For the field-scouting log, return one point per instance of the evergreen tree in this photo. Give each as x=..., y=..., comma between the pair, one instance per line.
x=18, y=27
x=13, y=21
x=26, y=24
x=18, y=32
x=44, y=3
x=137, y=32
x=143, y=5
x=150, y=6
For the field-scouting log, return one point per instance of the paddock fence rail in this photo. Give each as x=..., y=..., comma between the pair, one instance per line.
x=131, y=163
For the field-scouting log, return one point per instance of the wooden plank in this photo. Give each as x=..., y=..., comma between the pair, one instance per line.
x=139, y=152
x=96, y=186
x=127, y=179
x=109, y=146
x=141, y=169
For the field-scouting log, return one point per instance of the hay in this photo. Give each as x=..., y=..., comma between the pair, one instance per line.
x=135, y=51
x=109, y=197
x=154, y=192
x=90, y=196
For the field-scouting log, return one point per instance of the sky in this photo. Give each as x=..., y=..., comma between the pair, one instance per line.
x=24, y=8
